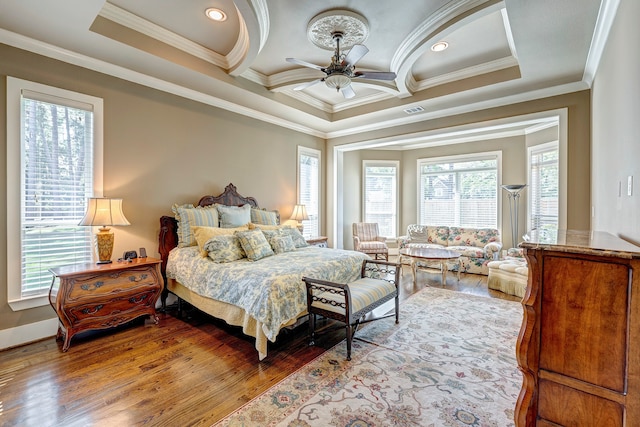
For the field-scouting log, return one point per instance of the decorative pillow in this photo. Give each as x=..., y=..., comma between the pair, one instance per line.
x=225, y=248
x=262, y=216
x=295, y=235
x=189, y=216
x=418, y=233
x=234, y=216
x=282, y=244
x=203, y=234
x=254, y=243
x=271, y=234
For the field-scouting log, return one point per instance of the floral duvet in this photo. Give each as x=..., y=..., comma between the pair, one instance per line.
x=271, y=289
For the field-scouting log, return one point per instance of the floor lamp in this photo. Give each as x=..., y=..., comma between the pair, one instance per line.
x=513, y=191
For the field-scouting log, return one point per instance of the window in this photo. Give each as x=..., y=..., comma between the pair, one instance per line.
x=309, y=188
x=459, y=191
x=381, y=195
x=543, y=186
x=54, y=140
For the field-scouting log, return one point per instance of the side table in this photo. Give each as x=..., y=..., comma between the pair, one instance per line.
x=319, y=241
x=99, y=296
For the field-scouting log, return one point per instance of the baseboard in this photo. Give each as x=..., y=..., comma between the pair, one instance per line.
x=25, y=334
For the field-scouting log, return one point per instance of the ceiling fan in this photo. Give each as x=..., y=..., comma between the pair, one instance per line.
x=342, y=69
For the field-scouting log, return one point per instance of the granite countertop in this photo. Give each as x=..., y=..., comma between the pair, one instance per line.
x=580, y=241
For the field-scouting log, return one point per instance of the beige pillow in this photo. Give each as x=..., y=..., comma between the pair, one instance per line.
x=253, y=226
x=202, y=234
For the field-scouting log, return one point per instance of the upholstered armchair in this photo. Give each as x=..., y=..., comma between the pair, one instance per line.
x=367, y=239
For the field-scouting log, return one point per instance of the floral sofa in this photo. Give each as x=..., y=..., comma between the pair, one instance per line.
x=477, y=246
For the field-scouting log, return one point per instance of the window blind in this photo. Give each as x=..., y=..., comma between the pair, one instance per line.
x=309, y=190
x=461, y=193
x=544, y=186
x=57, y=178
x=380, y=196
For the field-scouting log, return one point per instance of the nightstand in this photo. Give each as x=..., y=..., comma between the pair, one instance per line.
x=100, y=296
x=319, y=241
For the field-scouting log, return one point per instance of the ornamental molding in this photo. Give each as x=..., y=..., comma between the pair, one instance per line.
x=353, y=26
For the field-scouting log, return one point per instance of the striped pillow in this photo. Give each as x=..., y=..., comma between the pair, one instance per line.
x=261, y=216
x=189, y=216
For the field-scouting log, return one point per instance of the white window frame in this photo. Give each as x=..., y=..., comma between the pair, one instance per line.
x=381, y=163
x=462, y=158
x=310, y=152
x=15, y=88
x=535, y=149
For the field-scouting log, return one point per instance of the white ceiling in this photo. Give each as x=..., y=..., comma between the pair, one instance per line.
x=499, y=52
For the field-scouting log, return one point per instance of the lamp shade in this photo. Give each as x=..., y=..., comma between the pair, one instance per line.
x=104, y=212
x=299, y=213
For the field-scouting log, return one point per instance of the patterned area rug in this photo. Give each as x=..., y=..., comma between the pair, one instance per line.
x=450, y=362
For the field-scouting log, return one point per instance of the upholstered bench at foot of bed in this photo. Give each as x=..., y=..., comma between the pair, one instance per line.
x=509, y=276
x=349, y=303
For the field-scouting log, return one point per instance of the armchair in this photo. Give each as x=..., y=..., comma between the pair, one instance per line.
x=367, y=239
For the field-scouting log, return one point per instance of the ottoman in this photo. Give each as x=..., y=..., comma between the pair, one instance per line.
x=509, y=276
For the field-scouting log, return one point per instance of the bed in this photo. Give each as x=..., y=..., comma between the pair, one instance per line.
x=262, y=296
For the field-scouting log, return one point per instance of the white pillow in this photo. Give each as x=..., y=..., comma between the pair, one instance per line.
x=234, y=216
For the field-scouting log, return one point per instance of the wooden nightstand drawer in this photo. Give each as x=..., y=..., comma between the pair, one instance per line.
x=91, y=296
x=121, y=306
x=90, y=285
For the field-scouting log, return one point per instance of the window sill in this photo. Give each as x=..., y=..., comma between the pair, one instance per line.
x=27, y=303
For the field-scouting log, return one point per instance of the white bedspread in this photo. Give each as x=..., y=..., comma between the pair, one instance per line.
x=271, y=289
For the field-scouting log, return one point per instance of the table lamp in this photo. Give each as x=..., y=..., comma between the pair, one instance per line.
x=300, y=214
x=104, y=212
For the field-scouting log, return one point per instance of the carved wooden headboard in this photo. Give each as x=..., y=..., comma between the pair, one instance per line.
x=168, y=238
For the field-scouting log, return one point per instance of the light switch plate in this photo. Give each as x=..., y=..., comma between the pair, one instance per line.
x=629, y=185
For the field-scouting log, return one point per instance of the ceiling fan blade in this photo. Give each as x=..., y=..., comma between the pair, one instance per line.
x=348, y=92
x=305, y=64
x=308, y=84
x=355, y=54
x=375, y=75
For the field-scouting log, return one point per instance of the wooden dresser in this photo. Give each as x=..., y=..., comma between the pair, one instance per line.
x=99, y=296
x=579, y=346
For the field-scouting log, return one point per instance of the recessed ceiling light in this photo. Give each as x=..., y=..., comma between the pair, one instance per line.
x=440, y=46
x=215, y=14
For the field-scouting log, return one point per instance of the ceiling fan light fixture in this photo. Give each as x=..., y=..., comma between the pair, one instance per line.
x=440, y=46
x=215, y=14
x=337, y=81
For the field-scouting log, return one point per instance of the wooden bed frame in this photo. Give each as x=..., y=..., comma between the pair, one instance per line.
x=168, y=238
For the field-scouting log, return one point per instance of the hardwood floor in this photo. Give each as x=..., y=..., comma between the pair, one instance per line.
x=181, y=372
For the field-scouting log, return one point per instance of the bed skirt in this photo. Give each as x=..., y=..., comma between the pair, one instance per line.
x=231, y=314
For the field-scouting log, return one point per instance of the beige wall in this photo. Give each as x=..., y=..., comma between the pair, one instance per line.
x=159, y=149
x=616, y=128
x=578, y=157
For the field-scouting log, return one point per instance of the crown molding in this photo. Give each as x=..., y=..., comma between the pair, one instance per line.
x=140, y=25
x=475, y=70
x=606, y=16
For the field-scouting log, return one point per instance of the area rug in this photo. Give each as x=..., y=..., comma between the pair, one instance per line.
x=450, y=362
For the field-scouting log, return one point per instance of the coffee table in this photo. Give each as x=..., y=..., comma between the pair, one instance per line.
x=443, y=256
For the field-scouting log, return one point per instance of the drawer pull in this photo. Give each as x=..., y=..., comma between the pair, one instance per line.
x=91, y=286
x=137, y=279
x=138, y=299
x=92, y=310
